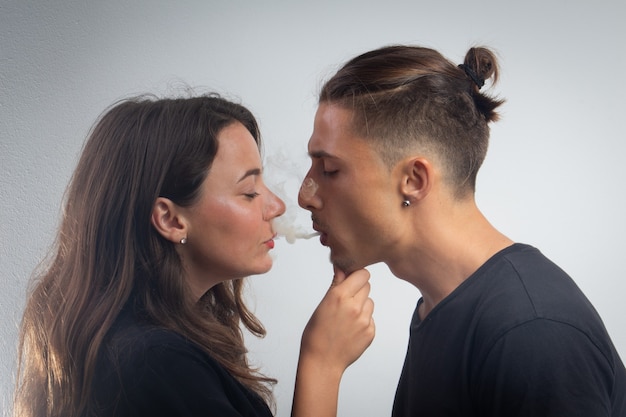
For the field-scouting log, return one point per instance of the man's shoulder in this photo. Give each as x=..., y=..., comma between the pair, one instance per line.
x=521, y=278
x=525, y=287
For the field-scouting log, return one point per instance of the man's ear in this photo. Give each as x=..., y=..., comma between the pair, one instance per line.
x=167, y=220
x=417, y=174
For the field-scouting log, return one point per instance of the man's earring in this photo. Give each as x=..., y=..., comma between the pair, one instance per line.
x=183, y=240
x=406, y=203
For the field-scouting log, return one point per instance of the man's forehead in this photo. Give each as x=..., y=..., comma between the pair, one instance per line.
x=333, y=116
x=332, y=132
x=329, y=146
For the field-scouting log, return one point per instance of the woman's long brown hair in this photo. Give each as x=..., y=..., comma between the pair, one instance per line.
x=107, y=253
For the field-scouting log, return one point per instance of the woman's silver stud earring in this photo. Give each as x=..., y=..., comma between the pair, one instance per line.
x=183, y=241
x=406, y=203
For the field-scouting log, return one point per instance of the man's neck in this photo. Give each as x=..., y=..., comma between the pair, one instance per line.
x=445, y=252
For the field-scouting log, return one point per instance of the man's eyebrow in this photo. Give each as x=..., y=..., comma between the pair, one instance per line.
x=321, y=154
x=253, y=171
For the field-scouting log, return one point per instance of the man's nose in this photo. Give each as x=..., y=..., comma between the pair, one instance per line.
x=307, y=197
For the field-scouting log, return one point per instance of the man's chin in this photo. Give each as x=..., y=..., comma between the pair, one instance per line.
x=346, y=265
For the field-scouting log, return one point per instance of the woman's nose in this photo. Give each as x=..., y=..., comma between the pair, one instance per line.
x=275, y=206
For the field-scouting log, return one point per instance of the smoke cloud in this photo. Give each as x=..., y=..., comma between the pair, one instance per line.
x=283, y=175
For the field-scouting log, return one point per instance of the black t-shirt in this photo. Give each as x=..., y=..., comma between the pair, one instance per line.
x=145, y=370
x=517, y=338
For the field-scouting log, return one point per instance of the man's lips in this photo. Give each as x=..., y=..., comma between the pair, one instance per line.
x=316, y=225
x=323, y=235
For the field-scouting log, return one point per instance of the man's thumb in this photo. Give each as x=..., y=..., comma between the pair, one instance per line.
x=338, y=277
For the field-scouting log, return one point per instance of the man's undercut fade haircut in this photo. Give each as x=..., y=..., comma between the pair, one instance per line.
x=408, y=98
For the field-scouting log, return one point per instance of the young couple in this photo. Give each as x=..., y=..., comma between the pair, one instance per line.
x=139, y=311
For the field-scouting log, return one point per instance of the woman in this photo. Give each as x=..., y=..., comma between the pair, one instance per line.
x=139, y=311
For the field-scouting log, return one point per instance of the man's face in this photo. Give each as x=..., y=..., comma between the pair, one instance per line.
x=356, y=199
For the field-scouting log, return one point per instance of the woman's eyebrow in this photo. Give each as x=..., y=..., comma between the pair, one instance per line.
x=250, y=172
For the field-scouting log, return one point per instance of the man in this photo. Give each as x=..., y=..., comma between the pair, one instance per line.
x=398, y=139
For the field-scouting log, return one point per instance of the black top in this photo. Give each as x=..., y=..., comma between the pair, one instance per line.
x=145, y=370
x=517, y=338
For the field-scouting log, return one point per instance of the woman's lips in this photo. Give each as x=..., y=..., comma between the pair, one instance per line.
x=270, y=243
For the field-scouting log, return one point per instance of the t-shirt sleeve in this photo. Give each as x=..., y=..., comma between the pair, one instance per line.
x=544, y=368
x=176, y=379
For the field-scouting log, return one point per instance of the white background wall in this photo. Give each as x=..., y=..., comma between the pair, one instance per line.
x=554, y=176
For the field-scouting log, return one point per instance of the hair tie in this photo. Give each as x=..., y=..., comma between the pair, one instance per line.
x=470, y=73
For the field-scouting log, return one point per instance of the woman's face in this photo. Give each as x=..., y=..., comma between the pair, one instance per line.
x=229, y=227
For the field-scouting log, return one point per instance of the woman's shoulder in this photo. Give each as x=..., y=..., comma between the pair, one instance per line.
x=145, y=369
x=136, y=341
x=144, y=360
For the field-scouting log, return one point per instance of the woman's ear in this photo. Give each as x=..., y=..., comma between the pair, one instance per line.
x=417, y=175
x=167, y=220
